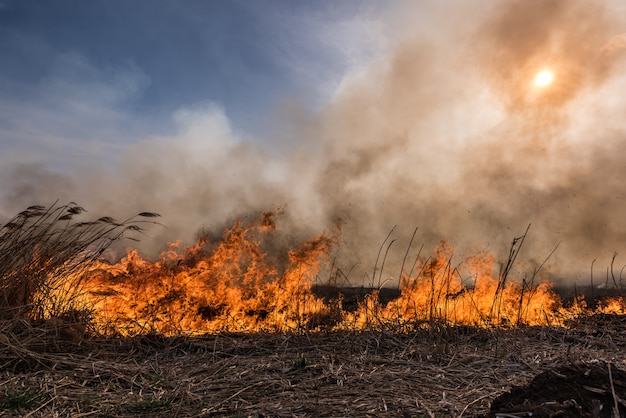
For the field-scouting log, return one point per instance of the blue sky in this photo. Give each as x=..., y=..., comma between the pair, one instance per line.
x=99, y=75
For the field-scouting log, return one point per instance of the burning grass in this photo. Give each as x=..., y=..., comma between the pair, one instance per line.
x=220, y=328
x=233, y=285
x=53, y=270
x=44, y=256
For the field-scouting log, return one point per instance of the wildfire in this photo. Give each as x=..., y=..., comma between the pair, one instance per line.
x=232, y=285
x=469, y=294
x=240, y=283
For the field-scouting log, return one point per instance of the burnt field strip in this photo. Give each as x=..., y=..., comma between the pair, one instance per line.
x=437, y=372
x=352, y=297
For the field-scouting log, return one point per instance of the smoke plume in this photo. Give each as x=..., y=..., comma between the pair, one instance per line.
x=446, y=133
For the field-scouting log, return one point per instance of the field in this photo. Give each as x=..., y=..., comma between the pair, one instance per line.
x=219, y=329
x=452, y=371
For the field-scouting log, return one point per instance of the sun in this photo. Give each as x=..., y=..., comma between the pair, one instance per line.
x=543, y=78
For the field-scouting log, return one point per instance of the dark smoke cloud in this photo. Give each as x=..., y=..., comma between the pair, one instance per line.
x=446, y=134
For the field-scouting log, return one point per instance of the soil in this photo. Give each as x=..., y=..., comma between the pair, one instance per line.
x=579, y=390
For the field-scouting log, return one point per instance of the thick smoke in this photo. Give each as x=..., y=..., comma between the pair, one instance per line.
x=451, y=136
x=446, y=133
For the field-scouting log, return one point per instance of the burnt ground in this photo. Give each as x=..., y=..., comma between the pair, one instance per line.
x=436, y=372
x=576, y=390
x=353, y=296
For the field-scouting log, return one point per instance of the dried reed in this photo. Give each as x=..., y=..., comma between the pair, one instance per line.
x=44, y=254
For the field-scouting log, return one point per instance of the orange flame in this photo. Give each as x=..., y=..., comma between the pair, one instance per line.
x=439, y=294
x=234, y=285
x=228, y=286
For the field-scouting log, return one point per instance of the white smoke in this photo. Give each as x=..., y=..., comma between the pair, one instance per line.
x=441, y=134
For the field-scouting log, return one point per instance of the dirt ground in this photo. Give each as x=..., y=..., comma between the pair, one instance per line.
x=578, y=390
x=437, y=372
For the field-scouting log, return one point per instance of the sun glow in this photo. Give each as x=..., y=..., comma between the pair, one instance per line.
x=543, y=78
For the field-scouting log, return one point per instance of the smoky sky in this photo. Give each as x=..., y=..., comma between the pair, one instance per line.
x=443, y=132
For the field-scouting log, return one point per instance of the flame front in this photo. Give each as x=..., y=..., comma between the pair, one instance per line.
x=211, y=287
x=233, y=285
x=469, y=294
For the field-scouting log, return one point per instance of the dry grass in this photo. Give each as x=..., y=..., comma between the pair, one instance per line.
x=439, y=372
x=44, y=253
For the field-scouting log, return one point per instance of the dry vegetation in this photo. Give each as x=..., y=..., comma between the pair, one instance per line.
x=416, y=356
x=44, y=256
x=441, y=372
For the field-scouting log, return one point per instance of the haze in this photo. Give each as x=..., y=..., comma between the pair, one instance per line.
x=368, y=114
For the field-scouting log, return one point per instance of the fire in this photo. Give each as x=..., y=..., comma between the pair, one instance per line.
x=468, y=294
x=232, y=285
x=241, y=283
x=615, y=305
x=209, y=287
x=543, y=78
